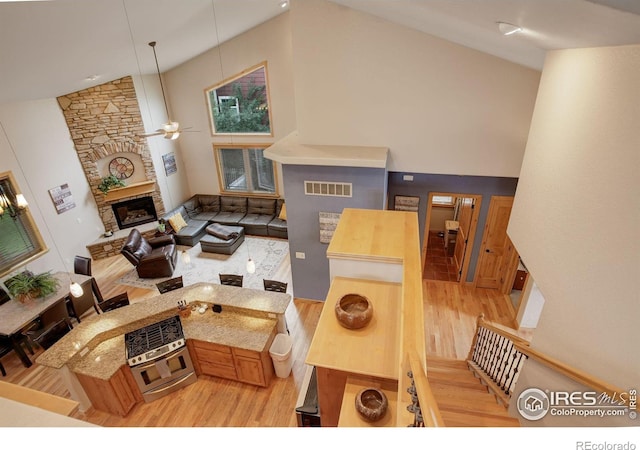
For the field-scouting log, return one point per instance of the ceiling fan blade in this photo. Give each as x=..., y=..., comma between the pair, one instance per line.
x=157, y=133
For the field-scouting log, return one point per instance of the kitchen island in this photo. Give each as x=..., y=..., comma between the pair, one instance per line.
x=95, y=349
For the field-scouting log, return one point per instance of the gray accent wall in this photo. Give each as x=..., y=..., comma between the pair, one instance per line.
x=423, y=184
x=310, y=276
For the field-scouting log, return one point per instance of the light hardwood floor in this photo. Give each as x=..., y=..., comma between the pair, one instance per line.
x=450, y=314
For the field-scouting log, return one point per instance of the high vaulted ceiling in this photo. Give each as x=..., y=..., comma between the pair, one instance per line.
x=50, y=48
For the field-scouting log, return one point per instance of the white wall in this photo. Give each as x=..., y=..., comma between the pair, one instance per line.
x=186, y=84
x=575, y=219
x=441, y=108
x=36, y=146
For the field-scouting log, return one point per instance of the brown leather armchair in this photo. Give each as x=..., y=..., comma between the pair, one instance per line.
x=153, y=258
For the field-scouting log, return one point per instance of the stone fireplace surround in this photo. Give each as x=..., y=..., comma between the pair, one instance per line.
x=105, y=121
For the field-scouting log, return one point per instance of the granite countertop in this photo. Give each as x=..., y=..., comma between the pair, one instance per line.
x=96, y=347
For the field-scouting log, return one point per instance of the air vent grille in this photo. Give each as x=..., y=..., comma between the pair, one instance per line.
x=328, y=188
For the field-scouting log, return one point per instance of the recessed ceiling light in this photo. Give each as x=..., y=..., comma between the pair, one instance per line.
x=284, y=4
x=92, y=77
x=508, y=28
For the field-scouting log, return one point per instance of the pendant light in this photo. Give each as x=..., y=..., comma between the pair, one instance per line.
x=251, y=265
x=75, y=289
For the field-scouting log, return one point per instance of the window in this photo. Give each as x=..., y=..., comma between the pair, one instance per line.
x=442, y=200
x=240, y=104
x=245, y=169
x=20, y=240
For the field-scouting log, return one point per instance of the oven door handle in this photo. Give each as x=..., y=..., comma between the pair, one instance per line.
x=149, y=364
x=164, y=388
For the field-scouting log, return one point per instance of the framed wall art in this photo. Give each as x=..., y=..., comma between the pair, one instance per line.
x=62, y=198
x=404, y=203
x=328, y=224
x=169, y=161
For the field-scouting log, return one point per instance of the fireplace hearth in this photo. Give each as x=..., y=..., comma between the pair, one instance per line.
x=131, y=213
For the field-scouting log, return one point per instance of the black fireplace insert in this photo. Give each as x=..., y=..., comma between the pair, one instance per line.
x=134, y=212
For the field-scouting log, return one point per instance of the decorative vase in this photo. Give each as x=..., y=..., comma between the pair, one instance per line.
x=371, y=404
x=354, y=311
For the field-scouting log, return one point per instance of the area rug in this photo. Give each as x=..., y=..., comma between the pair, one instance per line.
x=268, y=254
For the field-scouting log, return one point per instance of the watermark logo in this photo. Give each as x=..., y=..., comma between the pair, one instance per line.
x=534, y=404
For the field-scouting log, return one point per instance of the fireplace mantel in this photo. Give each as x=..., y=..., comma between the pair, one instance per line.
x=143, y=187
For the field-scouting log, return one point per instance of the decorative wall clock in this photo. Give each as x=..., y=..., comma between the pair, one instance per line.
x=121, y=167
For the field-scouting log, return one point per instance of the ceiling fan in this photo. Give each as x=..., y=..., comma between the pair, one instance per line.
x=170, y=130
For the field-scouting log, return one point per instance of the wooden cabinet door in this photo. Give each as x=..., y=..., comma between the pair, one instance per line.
x=249, y=370
x=214, y=359
x=494, y=243
x=466, y=211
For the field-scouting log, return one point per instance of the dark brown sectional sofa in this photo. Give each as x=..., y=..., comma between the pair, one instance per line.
x=258, y=216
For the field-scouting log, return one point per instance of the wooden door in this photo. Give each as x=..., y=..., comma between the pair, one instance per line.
x=494, y=243
x=464, y=226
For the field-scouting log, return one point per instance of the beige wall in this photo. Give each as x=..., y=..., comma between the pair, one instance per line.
x=36, y=147
x=439, y=107
x=186, y=84
x=575, y=220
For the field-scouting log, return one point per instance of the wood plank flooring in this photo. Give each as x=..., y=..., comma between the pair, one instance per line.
x=450, y=314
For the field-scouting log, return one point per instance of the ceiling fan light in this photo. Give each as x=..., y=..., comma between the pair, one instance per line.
x=508, y=29
x=170, y=127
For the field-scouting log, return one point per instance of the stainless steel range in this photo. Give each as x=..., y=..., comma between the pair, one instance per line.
x=159, y=358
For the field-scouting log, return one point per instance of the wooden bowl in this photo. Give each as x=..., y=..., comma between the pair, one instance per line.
x=354, y=311
x=371, y=404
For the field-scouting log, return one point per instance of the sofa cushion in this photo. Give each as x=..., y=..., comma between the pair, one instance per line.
x=229, y=218
x=266, y=206
x=192, y=207
x=177, y=222
x=233, y=204
x=208, y=203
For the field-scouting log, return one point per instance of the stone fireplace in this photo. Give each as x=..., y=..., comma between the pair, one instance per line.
x=132, y=213
x=105, y=122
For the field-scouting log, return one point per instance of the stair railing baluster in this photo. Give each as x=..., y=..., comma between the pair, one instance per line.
x=503, y=359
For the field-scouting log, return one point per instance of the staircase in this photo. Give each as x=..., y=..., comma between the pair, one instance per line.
x=462, y=398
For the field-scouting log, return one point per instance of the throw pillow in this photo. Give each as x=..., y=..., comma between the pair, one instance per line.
x=283, y=212
x=177, y=222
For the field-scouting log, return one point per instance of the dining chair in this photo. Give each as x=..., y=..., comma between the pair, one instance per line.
x=6, y=347
x=170, y=284
x=4, y=297
x=82, y=266
x=231, y=279
x=115, y=302
x=277, y=286
x=50, y=326
x=78, y=306
x=274, y=285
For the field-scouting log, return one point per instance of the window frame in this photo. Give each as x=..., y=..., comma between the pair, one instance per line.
x=245, y=155
x=27, y=224
x=229, y=81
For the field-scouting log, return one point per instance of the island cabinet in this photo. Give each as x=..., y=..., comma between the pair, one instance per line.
x=247, y=366
x=116, y=395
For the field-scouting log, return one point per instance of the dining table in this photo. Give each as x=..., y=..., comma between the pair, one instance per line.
x=15, y=316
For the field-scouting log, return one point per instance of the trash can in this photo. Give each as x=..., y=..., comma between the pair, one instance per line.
x=280, y=352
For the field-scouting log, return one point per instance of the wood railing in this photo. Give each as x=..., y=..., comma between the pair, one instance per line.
x=496, y=356
x=416, y=404
x=423, y=404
